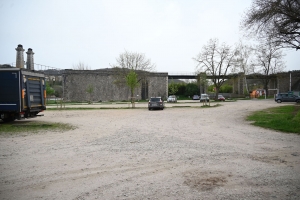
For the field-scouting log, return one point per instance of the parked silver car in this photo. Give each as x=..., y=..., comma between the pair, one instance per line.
x=286, y=97
x=156, y=103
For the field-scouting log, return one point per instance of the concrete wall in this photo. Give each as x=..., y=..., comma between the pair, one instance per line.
x=77, y=82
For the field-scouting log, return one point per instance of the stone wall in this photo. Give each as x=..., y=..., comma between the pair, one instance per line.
x=238, y=84
x=280, y=81
x=158, y=85
x=77, y=82
x=283, y=81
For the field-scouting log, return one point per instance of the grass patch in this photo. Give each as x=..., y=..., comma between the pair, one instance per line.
x=32, y=127
x=284, y=118
x=86, y=108
x=235, y=99
x=268, y=97
x=181, y=106
x=209, y=106
x=94, y=103
x=120, y=108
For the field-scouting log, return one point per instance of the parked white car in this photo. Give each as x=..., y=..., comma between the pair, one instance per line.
x=204, y=98
x=172, y=99
x=196, y=97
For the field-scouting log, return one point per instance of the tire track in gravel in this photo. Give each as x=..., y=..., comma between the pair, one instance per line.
x=121, y=173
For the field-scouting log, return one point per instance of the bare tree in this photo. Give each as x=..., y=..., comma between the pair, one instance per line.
x=129, y=62
x=244, y=61
x=134, y=61
x=81, y=66
x=216, y=60
x=279, y=19
x=269, y=60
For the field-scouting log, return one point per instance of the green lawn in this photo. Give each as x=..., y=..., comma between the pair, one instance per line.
x=32, y=127
x=284, y=118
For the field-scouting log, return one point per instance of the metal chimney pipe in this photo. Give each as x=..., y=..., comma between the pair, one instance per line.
x=30, y=63
x=20, y=56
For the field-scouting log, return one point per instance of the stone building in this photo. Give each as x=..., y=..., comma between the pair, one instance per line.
x=99, y=85
x=76, y=83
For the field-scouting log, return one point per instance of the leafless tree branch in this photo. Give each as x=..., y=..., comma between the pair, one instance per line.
x=279, y=19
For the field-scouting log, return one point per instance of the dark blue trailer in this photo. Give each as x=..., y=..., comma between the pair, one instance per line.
x=22, y=93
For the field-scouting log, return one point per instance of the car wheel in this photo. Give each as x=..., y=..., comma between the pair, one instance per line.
x=278, y=101
x=298, y=101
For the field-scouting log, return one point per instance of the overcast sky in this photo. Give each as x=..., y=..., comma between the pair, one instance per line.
x=63, y=33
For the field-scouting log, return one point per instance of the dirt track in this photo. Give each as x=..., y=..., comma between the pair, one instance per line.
x=177, y=153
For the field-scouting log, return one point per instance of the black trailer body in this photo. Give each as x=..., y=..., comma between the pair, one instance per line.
x=22, y=93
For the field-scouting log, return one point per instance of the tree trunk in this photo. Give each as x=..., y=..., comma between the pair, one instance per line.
x=132, y=98
x=266, y=86
x=217, y=93
x=246, y=85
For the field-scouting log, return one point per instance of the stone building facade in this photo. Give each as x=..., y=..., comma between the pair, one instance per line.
x=99, y=85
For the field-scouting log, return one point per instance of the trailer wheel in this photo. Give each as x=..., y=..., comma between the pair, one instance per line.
x=9, y=119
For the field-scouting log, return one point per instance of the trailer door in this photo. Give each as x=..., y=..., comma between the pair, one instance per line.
x=35, y=92
x=10, y=91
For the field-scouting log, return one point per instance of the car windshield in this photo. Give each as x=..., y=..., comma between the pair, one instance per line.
x=155, y=99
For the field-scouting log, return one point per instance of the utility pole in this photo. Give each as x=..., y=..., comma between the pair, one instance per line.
x=290, y=81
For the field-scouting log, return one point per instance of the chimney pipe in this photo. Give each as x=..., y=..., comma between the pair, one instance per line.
x=30, y=63
x=20, y=56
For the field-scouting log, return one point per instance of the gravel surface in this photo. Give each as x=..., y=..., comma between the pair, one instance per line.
x=177, y=153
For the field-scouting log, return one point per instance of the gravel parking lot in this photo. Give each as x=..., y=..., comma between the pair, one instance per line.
x=177, y=153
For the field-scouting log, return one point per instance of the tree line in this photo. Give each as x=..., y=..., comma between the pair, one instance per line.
x=189, y=89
